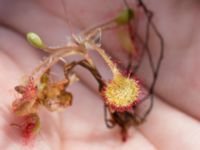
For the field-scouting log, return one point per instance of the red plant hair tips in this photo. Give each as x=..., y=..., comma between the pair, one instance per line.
x=121, y=93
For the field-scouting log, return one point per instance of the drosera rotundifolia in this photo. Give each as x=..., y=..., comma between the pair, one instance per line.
x=121, y=95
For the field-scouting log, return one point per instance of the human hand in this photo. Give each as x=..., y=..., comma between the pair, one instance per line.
x=174, y=120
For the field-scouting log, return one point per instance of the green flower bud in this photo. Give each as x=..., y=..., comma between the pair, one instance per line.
x=124, y=17
x=34, y=40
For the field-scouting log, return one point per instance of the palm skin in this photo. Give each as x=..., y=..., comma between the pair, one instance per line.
x=174, y=122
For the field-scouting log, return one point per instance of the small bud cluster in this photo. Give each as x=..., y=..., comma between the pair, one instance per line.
x=51, y=95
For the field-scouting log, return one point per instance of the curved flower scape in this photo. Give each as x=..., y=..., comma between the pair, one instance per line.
x=122, y=92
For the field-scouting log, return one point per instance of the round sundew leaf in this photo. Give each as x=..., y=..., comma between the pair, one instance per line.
x=121, y=93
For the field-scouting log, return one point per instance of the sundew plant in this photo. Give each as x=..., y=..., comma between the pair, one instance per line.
x=122, y=95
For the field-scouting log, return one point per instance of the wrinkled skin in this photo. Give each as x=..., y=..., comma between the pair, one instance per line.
x=174, y=122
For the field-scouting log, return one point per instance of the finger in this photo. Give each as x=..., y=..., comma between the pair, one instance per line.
x=167, y=128
x=15, y=46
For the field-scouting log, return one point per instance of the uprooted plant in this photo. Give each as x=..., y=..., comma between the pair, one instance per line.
x=121, y=95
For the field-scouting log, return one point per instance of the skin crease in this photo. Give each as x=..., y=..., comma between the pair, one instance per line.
x=174, y=122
